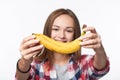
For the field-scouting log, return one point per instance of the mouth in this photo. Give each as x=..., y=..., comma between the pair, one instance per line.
x=64, y=41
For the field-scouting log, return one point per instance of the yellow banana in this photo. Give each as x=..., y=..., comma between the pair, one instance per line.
x=57, y=46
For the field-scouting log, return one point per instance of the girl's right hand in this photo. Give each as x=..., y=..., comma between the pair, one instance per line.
x=30, y=47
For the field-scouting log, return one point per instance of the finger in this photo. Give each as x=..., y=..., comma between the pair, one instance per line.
x=88, y=36
x=88, y=42
x=91, y=43
x=92, y=46
x=28, y=38
x=30, y=55
x=30, y=43
x=32, y=49
x=91, y=29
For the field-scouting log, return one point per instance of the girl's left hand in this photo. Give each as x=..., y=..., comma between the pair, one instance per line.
x=91, y=39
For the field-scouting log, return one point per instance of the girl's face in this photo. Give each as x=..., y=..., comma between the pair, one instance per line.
x=63, y=28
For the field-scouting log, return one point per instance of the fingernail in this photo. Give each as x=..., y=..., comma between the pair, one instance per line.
x=80, y=38
x=41, y=45
x=37, y=40
x=80, y=43
x=33, y=36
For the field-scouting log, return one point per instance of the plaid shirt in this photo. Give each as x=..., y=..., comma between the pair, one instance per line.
x=76, y=71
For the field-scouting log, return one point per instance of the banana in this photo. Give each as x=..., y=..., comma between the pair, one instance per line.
x=57, y=46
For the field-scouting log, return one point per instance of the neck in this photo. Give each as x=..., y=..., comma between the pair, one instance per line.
x=61, y=59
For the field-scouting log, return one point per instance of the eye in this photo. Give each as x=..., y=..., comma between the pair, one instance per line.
x=55, y=29
x=70, y=30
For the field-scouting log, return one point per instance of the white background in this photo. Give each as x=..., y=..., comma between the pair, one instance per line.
x=20, y=18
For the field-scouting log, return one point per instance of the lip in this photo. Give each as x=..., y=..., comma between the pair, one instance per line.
x=64, y=41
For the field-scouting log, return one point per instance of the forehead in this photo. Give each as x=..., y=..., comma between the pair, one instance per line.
x=64, y=20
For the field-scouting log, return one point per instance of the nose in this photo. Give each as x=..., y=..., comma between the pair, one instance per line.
x=61, y=34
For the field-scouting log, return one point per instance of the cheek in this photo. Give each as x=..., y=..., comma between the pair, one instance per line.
x=70, y=37
x=53, y=34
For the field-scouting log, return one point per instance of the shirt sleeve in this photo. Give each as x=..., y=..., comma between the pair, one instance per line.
x=95, y=73
x=32, y=71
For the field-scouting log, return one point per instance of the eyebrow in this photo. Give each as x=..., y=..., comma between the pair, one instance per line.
x=56, y=26
x=59, y=26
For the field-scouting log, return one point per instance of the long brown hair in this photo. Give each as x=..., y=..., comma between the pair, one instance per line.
x=47, y=54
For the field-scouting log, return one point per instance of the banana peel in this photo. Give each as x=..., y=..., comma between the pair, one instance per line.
x=57, y=46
